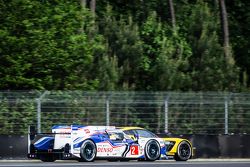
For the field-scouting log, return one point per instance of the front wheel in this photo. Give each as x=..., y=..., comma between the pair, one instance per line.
x=184, y=151
x=152, y=150
x=88, y=151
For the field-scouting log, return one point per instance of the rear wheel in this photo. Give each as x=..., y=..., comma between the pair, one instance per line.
x=88, y=151
x=152, y=150
x=184, y=151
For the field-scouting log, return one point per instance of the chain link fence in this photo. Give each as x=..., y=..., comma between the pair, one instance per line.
x=161, y=112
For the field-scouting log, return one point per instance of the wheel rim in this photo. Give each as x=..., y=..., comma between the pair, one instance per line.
x=89, y=151
x=153, y=150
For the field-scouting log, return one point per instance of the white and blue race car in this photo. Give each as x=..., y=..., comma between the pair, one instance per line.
x=87, y=143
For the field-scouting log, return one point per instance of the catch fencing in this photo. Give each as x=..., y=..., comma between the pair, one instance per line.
x=161, y=112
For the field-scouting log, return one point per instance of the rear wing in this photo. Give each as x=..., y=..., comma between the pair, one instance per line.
x=32, y=135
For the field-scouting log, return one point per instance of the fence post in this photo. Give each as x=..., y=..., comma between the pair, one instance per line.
x=107, y=112
x=226, y=115
x=166, y=115
x=38, y=100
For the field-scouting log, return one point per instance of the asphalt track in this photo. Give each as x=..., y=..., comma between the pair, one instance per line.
x=166, y=163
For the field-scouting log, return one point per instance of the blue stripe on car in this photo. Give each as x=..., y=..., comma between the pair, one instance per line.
x=44, y=143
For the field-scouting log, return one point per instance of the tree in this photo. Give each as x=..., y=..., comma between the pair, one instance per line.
x=207, y=62
x=42, y=47
x=165, y=58
x=83, y=3
x=93, y=6
x=239, y=23
x=224, y=20
x=172, y=12
x=123, y=42
x=107, y=75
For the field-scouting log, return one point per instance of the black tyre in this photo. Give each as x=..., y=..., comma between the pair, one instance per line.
x=184, y=151
x=152, y=150
x=88, y=151
x=47, y=158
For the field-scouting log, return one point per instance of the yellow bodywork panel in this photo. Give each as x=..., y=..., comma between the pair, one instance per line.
x=177, y=142
x=129, y=128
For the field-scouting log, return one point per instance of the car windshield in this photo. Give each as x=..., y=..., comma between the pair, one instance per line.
x=145, y=133
x=118, y=135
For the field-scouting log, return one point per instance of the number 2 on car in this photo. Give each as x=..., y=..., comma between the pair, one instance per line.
x=134, y=150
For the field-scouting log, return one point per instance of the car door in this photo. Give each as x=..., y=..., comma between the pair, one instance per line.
x=111, y=146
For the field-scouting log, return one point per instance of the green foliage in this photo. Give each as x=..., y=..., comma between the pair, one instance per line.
x=239, y=20
x=166, y=56
x=208, y=63
x=127, y=45
x=16, y=115
x=44, y=45
x=107, y=75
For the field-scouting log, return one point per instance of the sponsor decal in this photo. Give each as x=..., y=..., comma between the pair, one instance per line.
x=86, y=131
x=105, y=150
x=134, y=150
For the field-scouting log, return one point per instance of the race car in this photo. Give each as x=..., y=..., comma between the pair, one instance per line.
x=178, y=148
x=87, y=143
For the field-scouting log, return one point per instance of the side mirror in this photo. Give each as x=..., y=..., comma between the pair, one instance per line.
x=136, y=137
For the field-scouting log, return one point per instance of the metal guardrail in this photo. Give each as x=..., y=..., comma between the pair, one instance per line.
x=169, y=112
